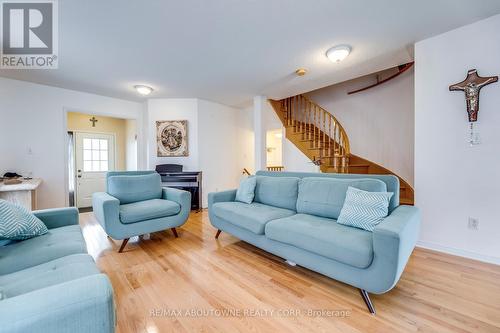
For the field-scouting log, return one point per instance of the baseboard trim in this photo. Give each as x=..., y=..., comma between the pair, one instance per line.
x=459, y=252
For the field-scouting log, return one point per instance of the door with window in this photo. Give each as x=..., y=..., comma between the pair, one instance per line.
x=94, y=156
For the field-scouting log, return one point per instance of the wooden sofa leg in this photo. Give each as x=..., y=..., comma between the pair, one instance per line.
x=367, y=300
x=218, y=233
x=175, y=232
x=124, y=243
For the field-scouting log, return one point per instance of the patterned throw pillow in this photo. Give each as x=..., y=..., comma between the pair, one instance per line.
x=17, y=223
x=364, y=209
x=246, y=191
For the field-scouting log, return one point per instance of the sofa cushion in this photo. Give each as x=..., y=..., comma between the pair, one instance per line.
x=325, y=196
x=48, y=274
x=148, y=210
x=277, y=191
x=325, y=237
x=56, y=243
x=134, y=188
x=18, y=223
x=252, y=217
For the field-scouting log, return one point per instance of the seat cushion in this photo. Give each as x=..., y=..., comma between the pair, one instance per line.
x=277, y=191
x=325, y=196
x=56, y=243
x=325, y=237
x=252, y=217
x=48, y=274
x=148, y=210
x=134, y=188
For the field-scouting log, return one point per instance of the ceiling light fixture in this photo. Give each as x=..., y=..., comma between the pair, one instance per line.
x=143, y=90
x=338, y=53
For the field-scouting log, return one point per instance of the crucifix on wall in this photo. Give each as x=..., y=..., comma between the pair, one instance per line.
x=471, y=86
x=93, y=120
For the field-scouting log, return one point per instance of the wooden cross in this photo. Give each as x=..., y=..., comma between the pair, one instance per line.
x=471, y=86
x=93, y=121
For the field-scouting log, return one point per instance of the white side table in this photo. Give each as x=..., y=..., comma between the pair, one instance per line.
x=23, y=194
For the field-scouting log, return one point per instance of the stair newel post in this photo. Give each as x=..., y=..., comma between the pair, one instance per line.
x=316, y=128
x=335, y=146
x=311, y=125
x=289, y=111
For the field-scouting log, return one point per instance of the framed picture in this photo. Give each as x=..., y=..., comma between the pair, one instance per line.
x=172, y=138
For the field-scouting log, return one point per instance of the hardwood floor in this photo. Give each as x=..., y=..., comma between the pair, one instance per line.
x=196, y=275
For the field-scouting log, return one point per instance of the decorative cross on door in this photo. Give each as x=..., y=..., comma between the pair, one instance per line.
x=93, y=120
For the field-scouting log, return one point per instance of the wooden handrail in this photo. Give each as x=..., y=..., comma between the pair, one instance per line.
x=246, y=172
x=319, y=127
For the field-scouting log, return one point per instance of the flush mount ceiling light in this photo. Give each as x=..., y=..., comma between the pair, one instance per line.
x=143, y=90
x=338, y=53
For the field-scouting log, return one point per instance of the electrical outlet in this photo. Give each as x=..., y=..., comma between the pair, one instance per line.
x=473, y=223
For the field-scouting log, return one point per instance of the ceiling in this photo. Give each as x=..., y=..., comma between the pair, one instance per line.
x=231, y=50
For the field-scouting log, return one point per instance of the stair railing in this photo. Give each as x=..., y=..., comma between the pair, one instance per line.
x=321, y=128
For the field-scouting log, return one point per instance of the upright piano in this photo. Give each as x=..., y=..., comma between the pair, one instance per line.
x=173, y=176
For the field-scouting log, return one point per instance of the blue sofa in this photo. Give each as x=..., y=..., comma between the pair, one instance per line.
x=49, y=284
x=293, y=216
x=136, y=204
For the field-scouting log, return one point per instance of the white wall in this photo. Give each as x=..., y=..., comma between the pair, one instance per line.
x=379, y=121
x=131, y=144
x=215, y=146
x=245, y=137
x=33, y=117
x=454, y=181
x=173, y=109
x=218, y=147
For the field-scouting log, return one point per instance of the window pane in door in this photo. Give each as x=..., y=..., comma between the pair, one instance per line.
x=104, y=165
x=95, y=144
x=87, y=155
x=104, y=144
x=104, y=155
x=95, y=155
x=87, y=144
x=96, y=166
x=87, y=166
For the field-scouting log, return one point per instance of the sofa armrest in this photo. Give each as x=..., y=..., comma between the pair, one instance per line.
x=396, y=236
x=106, y=209
x=223, y=196
x=58, y=217
x=82, y=305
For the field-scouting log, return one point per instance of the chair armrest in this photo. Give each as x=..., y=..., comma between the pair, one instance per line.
x=81, y=305
x=223, y=196
x=396, y=236
x=58, y=217
x=106, y=208
x=183, y=198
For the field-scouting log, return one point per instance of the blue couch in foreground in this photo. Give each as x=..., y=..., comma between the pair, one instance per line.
x=135, y=204
x=293, y=216
x=49, y=284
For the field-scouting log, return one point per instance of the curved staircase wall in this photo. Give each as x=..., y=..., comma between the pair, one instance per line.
x=379, y=121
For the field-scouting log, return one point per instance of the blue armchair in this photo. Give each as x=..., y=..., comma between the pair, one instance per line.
x=135, y=204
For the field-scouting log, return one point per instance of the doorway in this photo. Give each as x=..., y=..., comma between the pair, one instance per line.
x=94, y=156
x=274, y=149
x=96, y=145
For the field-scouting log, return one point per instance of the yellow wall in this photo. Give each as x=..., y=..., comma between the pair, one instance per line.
x=80, y=122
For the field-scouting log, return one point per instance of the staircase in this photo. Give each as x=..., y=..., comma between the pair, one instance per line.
x=319, y=135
